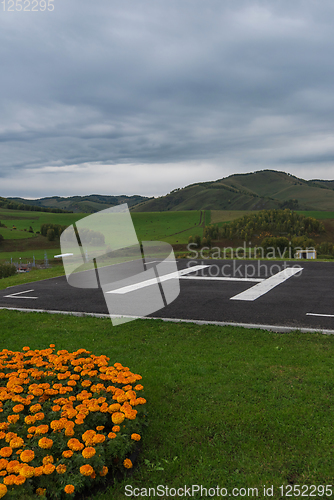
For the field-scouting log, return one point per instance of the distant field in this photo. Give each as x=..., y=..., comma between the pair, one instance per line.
x=167, y=226
x=228, y=215
x=317, y=214
x=23, y=219
x=15, y=234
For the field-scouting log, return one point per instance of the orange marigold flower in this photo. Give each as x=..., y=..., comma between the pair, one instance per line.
x=114, y=407
x=38, y=471
x=18, y=408
x=11, y=466
x=48, y=469
x=25, y=348
x=88, y=452
x=35, y=408
x=3, y=490
x=16, y=442
x=139, y=387
x=116, y=428
x=117, y=417
x=9, y=480
x=112, y=435
x=48, y=460
x=27, y=455
x=104, y=471
x=6, y=451
x=27, y=471
x=19, y=480
x=3, y=426
x=75, y=445
x=69, y=488
x=61, y=469
x=39, y=416
x=3, y=463
x=135, y=437
x=30, y=419
x=127, y=463
x=2, y=434
x=10, y=436
x=12, y=419
x=42, y=429
x=55, y=408
x=86, y=470
x=45, y=443
x=40, y=492
x=99, y=438
x=67, y=453
x=100, y=427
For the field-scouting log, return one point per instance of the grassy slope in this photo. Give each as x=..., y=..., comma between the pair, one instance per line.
x=237, y=407
x=237, y=192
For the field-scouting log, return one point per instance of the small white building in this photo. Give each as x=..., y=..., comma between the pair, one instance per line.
x=310, y=253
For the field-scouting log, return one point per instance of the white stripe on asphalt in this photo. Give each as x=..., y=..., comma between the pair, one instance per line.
x=322, y=315
x=222, y=278
x=14, y=295
x=154, y=281
x=260, y=289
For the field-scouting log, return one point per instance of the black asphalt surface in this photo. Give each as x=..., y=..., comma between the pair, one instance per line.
x=288, y=304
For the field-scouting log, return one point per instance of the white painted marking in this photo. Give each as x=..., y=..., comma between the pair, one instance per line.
x=154, y=281
x=62, y=255
x=260, y=289
x=221, y=278
x=14, y=295
x=322, y=315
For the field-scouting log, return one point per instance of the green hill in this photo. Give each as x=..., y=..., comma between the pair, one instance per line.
x=260, y=190
x=82, y=204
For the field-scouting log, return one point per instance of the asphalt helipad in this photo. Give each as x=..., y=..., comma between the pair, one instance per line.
x=274, y=294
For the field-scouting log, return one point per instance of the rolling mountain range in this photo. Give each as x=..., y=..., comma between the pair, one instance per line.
x=82, y=204
x=260, y=190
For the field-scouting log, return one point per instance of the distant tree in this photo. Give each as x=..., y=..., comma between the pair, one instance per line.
x=1, y=238
x=50, y=234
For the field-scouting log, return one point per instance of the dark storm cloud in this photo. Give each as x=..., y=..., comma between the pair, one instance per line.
x=208, y=87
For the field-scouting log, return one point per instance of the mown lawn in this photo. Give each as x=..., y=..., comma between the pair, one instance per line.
x=227, y=406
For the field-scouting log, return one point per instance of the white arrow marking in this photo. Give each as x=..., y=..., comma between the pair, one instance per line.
x=256, y=291
x=14, y=295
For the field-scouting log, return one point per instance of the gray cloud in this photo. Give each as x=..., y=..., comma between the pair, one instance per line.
x=154, y=95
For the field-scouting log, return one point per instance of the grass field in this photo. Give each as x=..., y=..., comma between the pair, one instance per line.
x=317, y=214
x=227, y=406
x=172, y=227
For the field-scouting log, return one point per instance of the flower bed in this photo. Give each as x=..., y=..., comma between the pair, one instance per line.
x=67, y=420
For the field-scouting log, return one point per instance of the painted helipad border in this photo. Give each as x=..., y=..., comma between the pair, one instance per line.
x=272, y=328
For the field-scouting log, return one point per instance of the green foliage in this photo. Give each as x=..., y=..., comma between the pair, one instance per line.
x=87, y=237
x=7, y=270
x=325, y=248
x=57, y=230
x=50, y=234
x=274, y=222
x=1, y=238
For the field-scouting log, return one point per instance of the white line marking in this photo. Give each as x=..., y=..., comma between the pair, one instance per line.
x=14, y=295
x=222, y=278
x=322, y=315
x=154, y=281
x=260, y=289
x=63, y=255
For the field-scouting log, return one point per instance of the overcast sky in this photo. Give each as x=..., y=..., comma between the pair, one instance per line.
x=144, y=96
